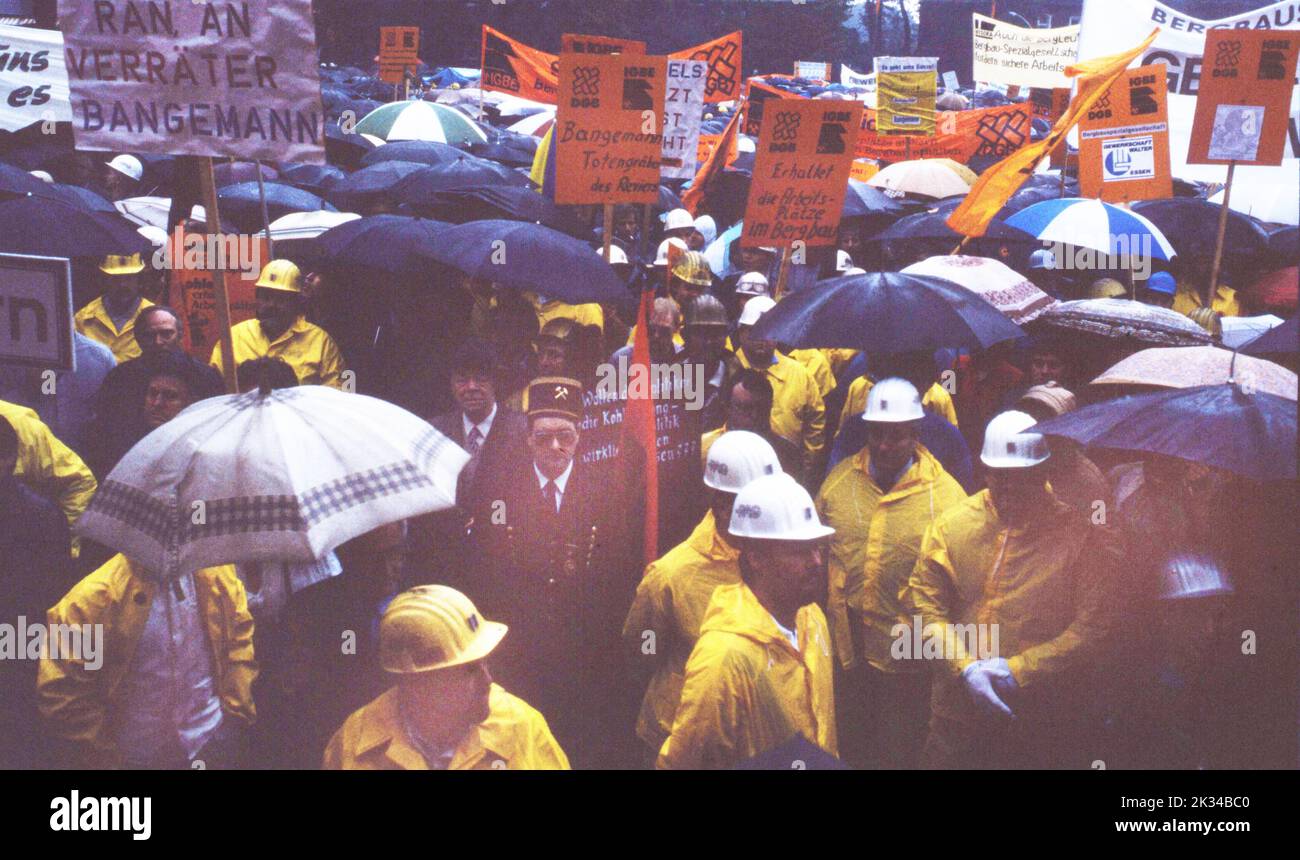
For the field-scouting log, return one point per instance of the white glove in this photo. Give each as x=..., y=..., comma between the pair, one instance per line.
x=986, y=682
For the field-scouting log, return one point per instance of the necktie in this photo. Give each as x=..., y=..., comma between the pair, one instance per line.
x=550, y=492
x=474, y=441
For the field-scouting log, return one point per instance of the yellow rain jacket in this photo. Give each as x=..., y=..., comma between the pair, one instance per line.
x=747, y=690
x=1188, y=299
x=815, y=362
x=936, y=399
x=77, y=702
x=876, y=542
x=798, y=411
x=671, y=601
x=839, y=358
x=94, y=322
x=1048, y=587
x=50, y=468
x=513, y=737
x=307, y=348
x=585, y=314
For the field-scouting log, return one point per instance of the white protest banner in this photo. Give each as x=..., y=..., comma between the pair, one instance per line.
x=1110, y=25
x=812, y=70
x=36, y=311
x=859, y=81
x=215, y=79
x=33, y=83
x=950, y=82
x=1020, y=56
x=683, y=109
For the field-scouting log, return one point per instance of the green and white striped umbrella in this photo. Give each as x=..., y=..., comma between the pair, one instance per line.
x=421, y=120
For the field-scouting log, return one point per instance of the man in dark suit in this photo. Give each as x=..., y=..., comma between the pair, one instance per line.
x=561, y=554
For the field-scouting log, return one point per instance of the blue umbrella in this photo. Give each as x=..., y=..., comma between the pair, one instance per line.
x=369, y=184
x=719, y=251
x=1284, y=338
x=798, y=753
x=887, y=312
x=316, y=178
x=1092, y=224
x=17, y=182
x=50, y=227
x=83, y=197
x=529, y=257
x=498, y=201
x=1250, y=434
x=241, y=203
x=418, y=151
x=465, y=172
x=864, y=199
x=390, y=243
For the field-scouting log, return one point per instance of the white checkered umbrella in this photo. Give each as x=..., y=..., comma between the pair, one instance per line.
x=281, y=476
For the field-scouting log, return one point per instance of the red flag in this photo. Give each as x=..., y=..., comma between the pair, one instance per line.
x=639, y=424
x=693, y=196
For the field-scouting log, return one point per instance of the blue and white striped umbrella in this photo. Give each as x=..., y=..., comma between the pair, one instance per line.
x=1093, y=224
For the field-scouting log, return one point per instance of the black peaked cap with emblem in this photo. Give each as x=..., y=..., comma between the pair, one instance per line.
x=557, y=396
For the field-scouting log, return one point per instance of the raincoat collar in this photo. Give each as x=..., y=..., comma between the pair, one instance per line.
x=778, y=362
x=97, y=311
x=300, y=326
x=709, y=543
x=735, y=609
x=382, y=728
x=924, y=469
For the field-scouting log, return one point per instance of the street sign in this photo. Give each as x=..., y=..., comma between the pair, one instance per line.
x=36, y=311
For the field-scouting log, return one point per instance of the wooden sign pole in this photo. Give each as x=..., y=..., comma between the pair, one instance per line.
x=266, y=219
x=783, y=273
x=1218, y=241
x=608, y=231
x=220, y=296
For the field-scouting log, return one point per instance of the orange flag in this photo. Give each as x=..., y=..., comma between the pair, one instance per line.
x=991, y=191
x=639, y=424
x=693, y=196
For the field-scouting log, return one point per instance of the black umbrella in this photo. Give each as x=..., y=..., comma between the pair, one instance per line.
x=864, y=199
x=1284, y=245
x=228, y=173
x=529, y=257
x=357, y=190
x=500, y=202
x=1284, y=338
x=345, y=148
x=16, y=182
x=241, y=203
x=509, y=148
x=932, y=224
x=316, y=178
x=1191, y=225
x=886, y=312
x=418, y=151
x=1250, y=434
x=44, y=226
x=78, y=196
x=390, y=243
x=465, y=172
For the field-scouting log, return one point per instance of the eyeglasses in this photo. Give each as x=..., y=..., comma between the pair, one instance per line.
x=566, y=438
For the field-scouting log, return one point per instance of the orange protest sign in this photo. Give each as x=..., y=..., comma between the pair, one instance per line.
x=1243, y=106
x=398, y=52
x=863, y=169
x=1124, y=139
x=510, y=66
x=1049, y=106
x=608, y=128
x=757, y=94
x=723, y=56
x=577, y=43
x=190, y=287
x=961, y=135
x=709, y=142
x=801, y=171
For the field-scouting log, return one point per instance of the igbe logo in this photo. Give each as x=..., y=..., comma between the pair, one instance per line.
x=586, y=87
x=637, y=94
x=747, y=512
x=1101, y=108
x=785, y=132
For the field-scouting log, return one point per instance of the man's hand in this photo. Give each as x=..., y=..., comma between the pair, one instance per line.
x=986, y=682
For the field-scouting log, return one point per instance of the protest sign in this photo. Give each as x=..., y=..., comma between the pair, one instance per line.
x=188, y=79
x=906, y=92
x=757, y=94
x=1124, y=140
x=1108, y=26
x=801, y=171
x=398, y=53
x=509, y=66
x=863, y=169
x=1006, y=54
x=950, y=82
x=723, y=55
x=1242, y=106
x=578, y=43
x=608, y=128
x=961, y=135
x=683, y=110
x=36, y=311
x=708, y=143
x=864, y=85
x=191, y=288
x=1049, y=106
x=813, y=70
x=33, y=80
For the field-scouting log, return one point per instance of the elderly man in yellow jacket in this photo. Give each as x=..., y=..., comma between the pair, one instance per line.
x=664, y=622
x=445, y=712
x=282, y=331
x=159, y=673
x=761, y=671
x=110, y=319
x=1016, y=598
x=880, y=503
x=49, y=467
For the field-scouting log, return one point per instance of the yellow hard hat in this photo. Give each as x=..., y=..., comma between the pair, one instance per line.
x=693, y=268
x=1208, y=319
x=1106, y=288
x=122, y=264
x=280, y=275
x=433, y=627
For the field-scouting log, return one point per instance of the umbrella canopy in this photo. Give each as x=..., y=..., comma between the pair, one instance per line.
x=47, y=227
x=153, y=211
x=928, y=177
x=1189, y=366
x=529, y=257
x=389, y=243
x=75, y=195
x=501, y=202
x=1191, y=226
x=465, y=172
x=998, y=284
x=282, y=476
x=1239, y=331
x=366, y=185
x=1282, y=339
x=1276, y=201
x=933, y=224
x=1092, y=224
x=16, y=182
x=241, y=203
x=886, y=312
x=421, y=120
x=418, y=151
x=537, y=125
x=306, y=225
x=227, y=173
x=345, y=148
x=1122, y=318
x=1250, y=434
x=316, y=178
x=515, y=150
x=718, y=253
x=1276, y=291
x=864, y=199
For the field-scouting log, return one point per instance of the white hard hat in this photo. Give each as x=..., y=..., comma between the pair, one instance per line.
x=752, y=284
x=893, y=401
x=853, y=270
x=661, y=256
x=1187, y=575
x=1008, y=446
x=738, y=457
x=617, y=257
x=755, y=308
x=128, y=165
x=41, y=175
x=775, y=507
x=843, y=261
x=678, y=219
x=745, y=144
x=706, y=227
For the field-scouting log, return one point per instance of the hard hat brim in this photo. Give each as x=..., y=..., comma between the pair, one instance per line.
x=804, y=533
x=1012, y=462
x=283, y=288
x=489, y=636
x=122, y=270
